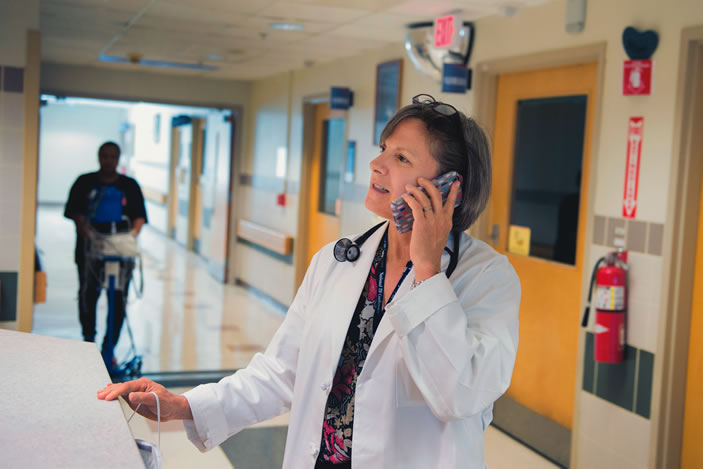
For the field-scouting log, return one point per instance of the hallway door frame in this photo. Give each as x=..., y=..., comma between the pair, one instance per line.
x=300, y=253
x=485, y=95
x=679, y=242
x=25, y=296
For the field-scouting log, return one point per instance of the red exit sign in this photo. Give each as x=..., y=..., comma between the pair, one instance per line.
x=443, y=31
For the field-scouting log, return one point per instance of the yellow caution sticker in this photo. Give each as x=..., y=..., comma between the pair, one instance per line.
x=519, y=240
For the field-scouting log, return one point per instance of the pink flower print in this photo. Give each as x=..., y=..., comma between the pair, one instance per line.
x=333, y=443
x=373, y=288
x=341, y=385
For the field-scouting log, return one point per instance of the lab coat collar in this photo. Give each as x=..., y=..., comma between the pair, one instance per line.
x=353, y=275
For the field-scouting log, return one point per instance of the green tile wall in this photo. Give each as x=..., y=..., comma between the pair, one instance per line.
x=627, y=384
x=589, y=365
x=644, y=383
x=616, y=383
x=8, y=296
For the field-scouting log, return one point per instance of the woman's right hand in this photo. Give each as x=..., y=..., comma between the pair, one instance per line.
x=173, y=406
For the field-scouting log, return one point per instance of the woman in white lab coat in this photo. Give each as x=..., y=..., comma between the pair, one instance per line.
x=392, y=360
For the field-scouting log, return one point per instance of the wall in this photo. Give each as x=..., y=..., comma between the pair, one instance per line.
x=19, y=87
x=70, y=135
x=609, y=431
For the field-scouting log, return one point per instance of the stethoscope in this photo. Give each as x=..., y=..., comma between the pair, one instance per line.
x=347, y=250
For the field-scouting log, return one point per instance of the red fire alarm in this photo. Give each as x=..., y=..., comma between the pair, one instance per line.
x=281, y=199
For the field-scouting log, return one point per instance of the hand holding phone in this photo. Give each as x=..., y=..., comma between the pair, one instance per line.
x=403, y=215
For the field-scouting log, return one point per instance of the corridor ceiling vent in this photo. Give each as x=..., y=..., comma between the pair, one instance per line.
x=419, y=45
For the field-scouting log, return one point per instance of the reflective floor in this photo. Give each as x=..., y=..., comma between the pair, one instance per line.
x=185, y=320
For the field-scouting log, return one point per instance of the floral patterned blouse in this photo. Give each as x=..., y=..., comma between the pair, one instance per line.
x=336, y=446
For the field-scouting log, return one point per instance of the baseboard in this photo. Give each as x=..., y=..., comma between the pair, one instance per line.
x=539, y=433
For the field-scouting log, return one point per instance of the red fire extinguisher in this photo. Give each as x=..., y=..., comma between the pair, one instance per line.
x=610, y=277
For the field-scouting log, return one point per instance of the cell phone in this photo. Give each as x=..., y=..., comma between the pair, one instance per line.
x=403, y=215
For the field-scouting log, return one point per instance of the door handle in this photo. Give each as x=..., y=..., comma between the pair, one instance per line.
x=495, y=234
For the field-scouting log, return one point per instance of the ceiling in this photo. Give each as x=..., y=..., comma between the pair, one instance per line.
x=235, y=35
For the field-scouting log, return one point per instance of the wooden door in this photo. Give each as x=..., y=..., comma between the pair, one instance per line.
x=215, y=190
x=544, y=122
x=328, y=148
x=692, y=451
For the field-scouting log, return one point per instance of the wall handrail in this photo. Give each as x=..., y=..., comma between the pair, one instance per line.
x=275, y=241
x=154, y=195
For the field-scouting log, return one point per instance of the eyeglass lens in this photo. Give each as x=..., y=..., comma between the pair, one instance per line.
x=444, y=109
x=423, y=99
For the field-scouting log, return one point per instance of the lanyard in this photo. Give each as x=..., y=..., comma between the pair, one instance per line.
x=380, y=309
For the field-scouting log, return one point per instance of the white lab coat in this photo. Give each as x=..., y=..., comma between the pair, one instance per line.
x=443, y=353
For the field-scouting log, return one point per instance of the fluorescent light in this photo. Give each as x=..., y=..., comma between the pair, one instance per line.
x=288, y=26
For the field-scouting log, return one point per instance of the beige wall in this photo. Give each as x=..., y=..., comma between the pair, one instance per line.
x=19, y=111
x=276, y=112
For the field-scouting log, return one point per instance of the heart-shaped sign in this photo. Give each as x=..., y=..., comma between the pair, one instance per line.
x=639, y=45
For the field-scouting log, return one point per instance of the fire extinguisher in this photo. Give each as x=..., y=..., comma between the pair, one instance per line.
x=610, y=276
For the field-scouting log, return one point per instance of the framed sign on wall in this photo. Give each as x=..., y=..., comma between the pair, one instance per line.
x=388, y=86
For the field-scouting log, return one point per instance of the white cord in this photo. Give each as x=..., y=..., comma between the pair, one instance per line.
x=158, y=419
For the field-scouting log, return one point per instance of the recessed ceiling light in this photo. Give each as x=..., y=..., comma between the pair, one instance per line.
x=287, y=26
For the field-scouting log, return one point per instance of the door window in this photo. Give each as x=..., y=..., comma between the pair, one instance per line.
x=547, y=174
x=331, y=164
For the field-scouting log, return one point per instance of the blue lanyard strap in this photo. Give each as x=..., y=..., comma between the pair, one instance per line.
x=380, y=309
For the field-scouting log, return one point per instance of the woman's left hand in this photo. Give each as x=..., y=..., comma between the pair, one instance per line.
x=433, y=222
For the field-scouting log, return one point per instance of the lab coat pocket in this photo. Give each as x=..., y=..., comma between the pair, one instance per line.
x=406, y=392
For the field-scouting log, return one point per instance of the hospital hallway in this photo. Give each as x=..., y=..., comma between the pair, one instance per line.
x=187, y=323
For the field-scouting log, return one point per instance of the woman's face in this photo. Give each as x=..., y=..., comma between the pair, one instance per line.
x=405, y=156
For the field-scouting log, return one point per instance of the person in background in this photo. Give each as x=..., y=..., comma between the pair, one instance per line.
x=392, y=360
x=103, y=203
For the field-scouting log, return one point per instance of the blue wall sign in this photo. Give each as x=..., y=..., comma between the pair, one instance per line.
x=341, y=98
x=454, y=78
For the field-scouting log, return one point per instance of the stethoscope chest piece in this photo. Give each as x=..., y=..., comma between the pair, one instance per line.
x=346, y=250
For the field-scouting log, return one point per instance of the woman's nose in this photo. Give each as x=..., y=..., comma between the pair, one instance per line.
x=377, y=164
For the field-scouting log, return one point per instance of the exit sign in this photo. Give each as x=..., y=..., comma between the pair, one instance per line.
x=444, y=31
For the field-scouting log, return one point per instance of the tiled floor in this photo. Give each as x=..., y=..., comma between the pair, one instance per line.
x=186, y=320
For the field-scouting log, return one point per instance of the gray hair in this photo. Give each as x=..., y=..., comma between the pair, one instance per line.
x=471, y=159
